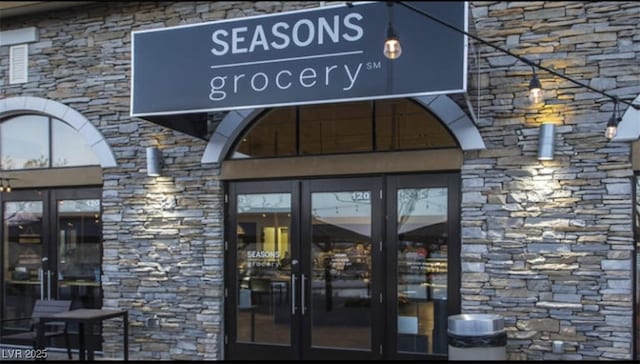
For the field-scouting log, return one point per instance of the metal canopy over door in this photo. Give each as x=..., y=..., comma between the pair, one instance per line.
x=343, y=269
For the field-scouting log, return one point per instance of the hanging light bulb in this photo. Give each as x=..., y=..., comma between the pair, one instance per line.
x=612, y=124
x=612, y=128
x=1, y=185
x=8, y=188
x=535, y=89
x=392, y=48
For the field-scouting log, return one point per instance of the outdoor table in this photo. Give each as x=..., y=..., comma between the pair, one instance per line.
x=86, y=318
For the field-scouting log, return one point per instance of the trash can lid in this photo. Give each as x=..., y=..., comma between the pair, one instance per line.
x=475, y=324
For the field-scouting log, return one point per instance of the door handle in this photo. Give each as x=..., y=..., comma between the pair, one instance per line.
x=293, y=294
x=303, y=302
x=48, y=284
x=41, y=279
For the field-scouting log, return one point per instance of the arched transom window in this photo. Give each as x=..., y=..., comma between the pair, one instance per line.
x=352, y=127
x=31, y=141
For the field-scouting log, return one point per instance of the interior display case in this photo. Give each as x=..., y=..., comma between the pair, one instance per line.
x=422, y=277
x=422, y=295
x=24, y=252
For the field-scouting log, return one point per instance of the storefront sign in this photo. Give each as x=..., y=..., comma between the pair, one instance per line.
x=263, y=258
x=325, y=54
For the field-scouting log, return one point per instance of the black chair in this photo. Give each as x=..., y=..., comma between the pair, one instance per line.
x=53, y=329
x=259, y=287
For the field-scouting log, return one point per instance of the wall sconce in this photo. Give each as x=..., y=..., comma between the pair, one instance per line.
x=546, y=142
x=154, y=161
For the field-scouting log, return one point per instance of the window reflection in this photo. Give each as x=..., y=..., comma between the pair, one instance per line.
x=22, y=251
x=398, y=124
x=79, y=252
x=263, y=268
x=68, y=148
x=340, y=282
x=79, y=240
x=37, y=141
x=336, y=128
x=273, y=136
x=403, y=125
x=422, y=270
x=24, y=142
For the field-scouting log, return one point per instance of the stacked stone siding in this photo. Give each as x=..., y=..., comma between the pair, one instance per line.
x=546, y=244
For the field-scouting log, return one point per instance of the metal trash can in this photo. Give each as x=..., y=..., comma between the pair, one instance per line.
x=477, y=337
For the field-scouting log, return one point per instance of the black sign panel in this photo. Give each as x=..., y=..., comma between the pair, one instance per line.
x=325, y=54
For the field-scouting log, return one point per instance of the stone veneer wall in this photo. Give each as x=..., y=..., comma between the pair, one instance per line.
x=163, y=237
x=546, y=244
x=549, y=244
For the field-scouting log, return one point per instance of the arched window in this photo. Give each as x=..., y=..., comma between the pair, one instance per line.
x=31, y=141
x=352, y=127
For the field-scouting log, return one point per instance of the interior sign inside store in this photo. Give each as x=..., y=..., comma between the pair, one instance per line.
x=326, y=54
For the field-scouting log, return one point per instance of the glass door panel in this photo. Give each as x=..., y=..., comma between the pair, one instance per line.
x=263, y=255
x=51, y=249
x=341, y=245
x=422, y=236
x=340, y=297
x=22, y=259
x=313, y=277
x=79, y=252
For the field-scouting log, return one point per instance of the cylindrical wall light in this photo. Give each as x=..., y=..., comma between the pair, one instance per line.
x=154, y=161
x=546, y=142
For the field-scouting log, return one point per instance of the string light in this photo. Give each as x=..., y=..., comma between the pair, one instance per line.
x=5, y=184
x=392, y=48
x=535, y=88
x=612, y=125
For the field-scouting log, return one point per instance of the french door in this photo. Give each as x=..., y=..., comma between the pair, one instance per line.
x=316, y=269
x=51, y=249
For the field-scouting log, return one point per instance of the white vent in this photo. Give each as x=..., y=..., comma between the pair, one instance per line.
x=18, y=62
